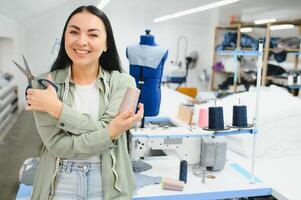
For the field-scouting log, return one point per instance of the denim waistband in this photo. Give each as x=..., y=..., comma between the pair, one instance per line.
x=67, y=166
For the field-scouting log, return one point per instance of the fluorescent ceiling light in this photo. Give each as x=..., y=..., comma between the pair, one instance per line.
x=282, y=26
x=246, y=30
x=194, y=10
x=102, y=4
x=264, y=21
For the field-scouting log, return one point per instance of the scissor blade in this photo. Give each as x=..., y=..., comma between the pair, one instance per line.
x=20, y=68
x=26, y=66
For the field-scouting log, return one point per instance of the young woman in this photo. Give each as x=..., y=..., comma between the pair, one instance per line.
x=85, y=154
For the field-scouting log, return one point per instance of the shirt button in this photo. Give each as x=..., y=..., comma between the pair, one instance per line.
x=62, y=124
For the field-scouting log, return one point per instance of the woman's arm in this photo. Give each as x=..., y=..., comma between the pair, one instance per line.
x=65, y=145
x=68, y=118
x=88, y=136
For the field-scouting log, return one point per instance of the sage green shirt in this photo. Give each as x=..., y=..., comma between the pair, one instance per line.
x=76, y=135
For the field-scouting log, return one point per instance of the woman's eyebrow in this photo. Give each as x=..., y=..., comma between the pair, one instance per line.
x=73, y=26
x=93, y=29
x=89, y=30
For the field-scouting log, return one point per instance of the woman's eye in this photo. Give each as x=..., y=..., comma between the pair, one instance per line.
x=73, y=32
x=94, y=35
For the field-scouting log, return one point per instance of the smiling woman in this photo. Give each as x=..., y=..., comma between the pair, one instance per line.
x=85, y=154
x=85, y=40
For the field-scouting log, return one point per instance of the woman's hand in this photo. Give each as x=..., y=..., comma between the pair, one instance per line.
x=44, y=100
x=124, y=121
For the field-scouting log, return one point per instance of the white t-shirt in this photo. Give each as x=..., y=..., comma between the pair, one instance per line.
x=86, y=100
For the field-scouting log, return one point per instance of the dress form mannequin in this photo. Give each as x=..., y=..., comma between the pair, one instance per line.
x=146, y=66
x=147, y=39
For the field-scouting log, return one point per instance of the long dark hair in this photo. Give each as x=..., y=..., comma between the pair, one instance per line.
x=108, y=60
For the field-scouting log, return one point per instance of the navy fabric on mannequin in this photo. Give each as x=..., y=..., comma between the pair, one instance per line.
x=146, y=66
x=147, y=39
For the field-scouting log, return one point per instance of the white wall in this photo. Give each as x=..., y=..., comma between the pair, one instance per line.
x=11, y=45
x=8, y=37
x=8, y=27
x=6, y=51
x=41, y=32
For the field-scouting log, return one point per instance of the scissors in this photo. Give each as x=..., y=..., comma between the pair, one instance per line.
x=30, y=77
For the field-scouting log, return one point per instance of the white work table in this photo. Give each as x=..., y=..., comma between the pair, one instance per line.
x=282, y=174
x=231, y=182
x=280, y=179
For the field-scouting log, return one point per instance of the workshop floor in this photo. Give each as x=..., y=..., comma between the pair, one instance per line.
x=21, y=142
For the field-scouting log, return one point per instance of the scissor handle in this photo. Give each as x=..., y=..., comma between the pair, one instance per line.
x=44, y=82
x=28, y=87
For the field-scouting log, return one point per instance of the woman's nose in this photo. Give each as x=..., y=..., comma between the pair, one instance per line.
x=82, y=40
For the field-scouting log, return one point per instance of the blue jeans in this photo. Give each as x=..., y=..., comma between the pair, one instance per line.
x=79, y=181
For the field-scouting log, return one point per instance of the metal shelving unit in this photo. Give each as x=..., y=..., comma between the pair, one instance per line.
x=240, y=50
x=8, y=107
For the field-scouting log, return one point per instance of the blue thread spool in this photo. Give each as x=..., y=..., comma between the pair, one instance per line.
x=216, y=118
x=239, y=117
x=183, y=171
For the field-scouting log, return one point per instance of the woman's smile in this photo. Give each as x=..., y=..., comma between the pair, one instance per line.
x=81, y=51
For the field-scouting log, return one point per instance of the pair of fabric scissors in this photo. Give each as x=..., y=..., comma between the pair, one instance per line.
x=30, y=77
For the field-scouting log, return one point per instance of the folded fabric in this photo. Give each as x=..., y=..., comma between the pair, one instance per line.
x=140, y=166
x=144, y=180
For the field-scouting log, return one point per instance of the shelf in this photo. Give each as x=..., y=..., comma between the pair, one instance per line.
x=233, y=27
x=4, y=91
x=283, y=82
x=239, y=52
x=289, y=50
x=5, y=112
x=296, y=22
x=7, y=124
x=243, y=48
x=235, y=132
x=8, y=107
x=186, y=132
x=6, y=100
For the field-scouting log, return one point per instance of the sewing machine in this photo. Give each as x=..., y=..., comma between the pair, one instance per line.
x=165, y=137
x=169, y=137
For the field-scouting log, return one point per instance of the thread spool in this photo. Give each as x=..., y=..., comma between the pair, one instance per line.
x=216, y=118
x=130, y=100
x=203, y=117
x=183, y=171
x=172, y=184
x=239, y=117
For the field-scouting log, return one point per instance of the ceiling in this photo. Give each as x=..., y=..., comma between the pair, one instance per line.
x=24, y=9
x=21, y=9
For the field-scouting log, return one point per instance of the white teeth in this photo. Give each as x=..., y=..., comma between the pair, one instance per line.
x=81, y=51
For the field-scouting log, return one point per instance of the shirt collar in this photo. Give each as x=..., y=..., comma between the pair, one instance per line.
x=65, y=73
